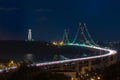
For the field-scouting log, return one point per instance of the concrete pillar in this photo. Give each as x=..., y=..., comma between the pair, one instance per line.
x=89, y=65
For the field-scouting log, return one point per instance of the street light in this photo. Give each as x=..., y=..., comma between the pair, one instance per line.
x=61, y=43
x=98, y=78
x=92, y=79
x=54, y=43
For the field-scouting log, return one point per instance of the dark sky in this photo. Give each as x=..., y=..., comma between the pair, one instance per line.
x=49, y=18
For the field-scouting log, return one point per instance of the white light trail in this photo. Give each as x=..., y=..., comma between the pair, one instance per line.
x=110, y=52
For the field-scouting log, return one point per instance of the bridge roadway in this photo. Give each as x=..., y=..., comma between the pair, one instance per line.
x=110, y=53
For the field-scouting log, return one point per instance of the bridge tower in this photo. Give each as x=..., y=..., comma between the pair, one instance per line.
x=65, y=37
x=80, y=35
x=29, y=34
x=83, y=36
x=90, y=40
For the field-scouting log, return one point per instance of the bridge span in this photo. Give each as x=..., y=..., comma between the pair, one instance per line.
x=82, y=32
x=110, y=52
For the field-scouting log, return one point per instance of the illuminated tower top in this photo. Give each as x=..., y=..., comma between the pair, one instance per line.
x=29, y=35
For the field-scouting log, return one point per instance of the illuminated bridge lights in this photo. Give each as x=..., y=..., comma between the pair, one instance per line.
x=110, y=52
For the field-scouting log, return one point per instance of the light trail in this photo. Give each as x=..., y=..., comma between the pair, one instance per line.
x=6, y=69
x=110, y=53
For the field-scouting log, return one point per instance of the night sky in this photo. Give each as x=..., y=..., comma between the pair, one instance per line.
x=49, y=18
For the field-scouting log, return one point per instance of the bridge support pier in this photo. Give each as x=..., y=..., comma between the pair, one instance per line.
x=89, y=65
x=61, y=66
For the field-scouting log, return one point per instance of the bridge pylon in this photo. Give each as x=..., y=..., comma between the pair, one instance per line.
x=65, y=37
x=90, y=40
x=80, y=36
x=83, y=36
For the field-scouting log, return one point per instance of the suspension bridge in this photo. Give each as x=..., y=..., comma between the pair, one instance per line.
x=82, y=39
